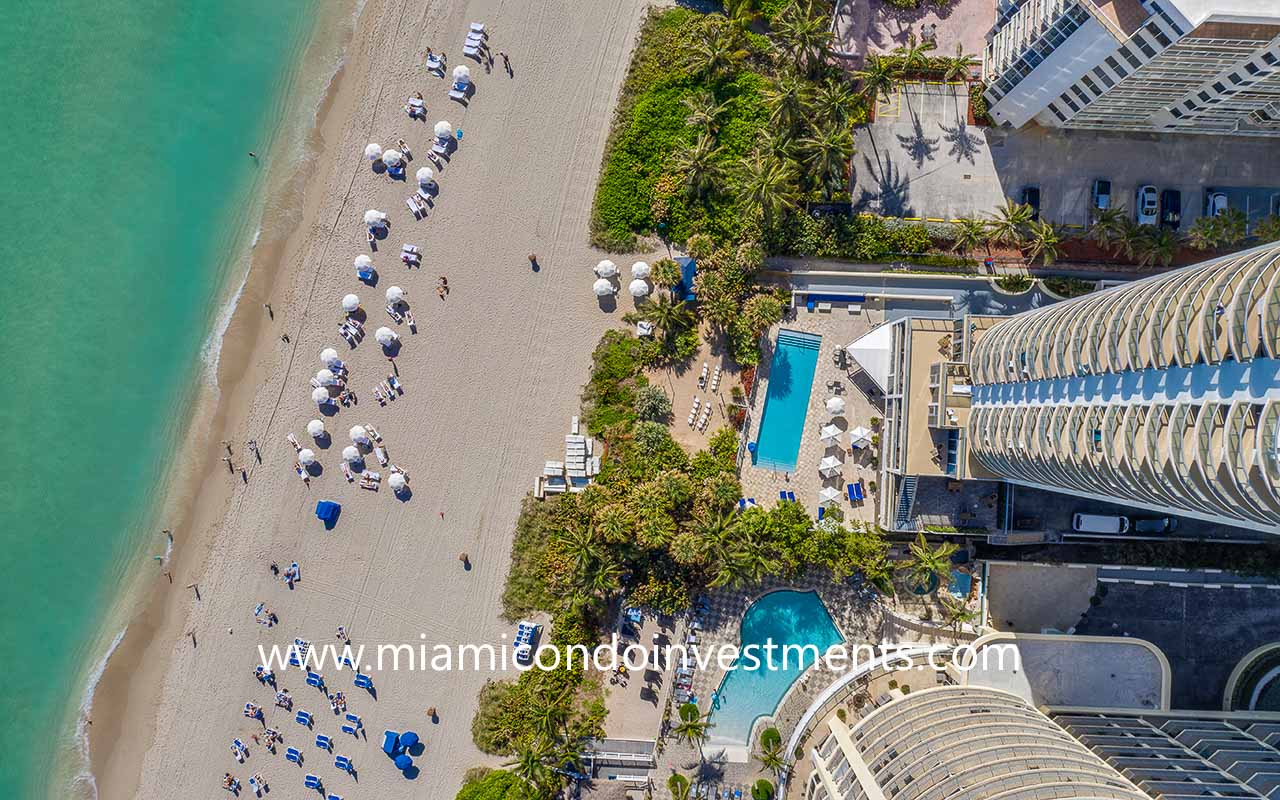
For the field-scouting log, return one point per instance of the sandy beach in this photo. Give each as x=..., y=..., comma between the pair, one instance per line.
x=491, y=379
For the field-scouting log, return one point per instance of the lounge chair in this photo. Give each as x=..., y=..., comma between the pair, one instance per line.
x=857, y=491
x=293, y=754
x=258, y=785
x=791, y=496
x=343, y=763
x=434, y=63
x=459, y=91
x=303, y=718
x=363, y=681
x=477, y=39
x=478, y=27
x=324, y=742
x=373, y=433
x=346, y=470
x=471, y=50
x=848, y=487
x=395, y=384
x=313, y=782
x=413, y=208
x=382, y=456
x=440, y=146
x=395, y=315
x=351, y=729
x=822, y=512
x=424, y=194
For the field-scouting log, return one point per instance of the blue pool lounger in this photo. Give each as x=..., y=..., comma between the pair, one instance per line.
x=324, y=742
x=343, y=763
x=294, y=755
x=363, y=681
x=313, y=782
x=303, y=718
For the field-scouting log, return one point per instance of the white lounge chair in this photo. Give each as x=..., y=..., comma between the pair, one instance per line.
x=458, y=94
x=424, y=194
x=476, y=39
x=478, y=27
x=471, y=50
x=395, y=315
x=440, y=146
x=434, y=63
x=413, y=207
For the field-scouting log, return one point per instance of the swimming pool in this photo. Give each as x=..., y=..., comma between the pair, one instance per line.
x=784, y=617
x=786, y=403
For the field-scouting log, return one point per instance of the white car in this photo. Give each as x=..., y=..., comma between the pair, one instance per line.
x=1217, y=204
x=1147, y=205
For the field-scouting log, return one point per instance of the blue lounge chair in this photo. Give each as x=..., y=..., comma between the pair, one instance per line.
x=822, y=512
x=857, y=491
x=347, y=727
x=303, y=718
x=390, y=742
x=363, y=681
x=848, y=487
x=324, y=742
x=343, y=763
x=315, y=679
x=294, y=755
x=742, y=504
x=313, y=782
x=791, y=496
x=366, y=275
x=356, y=719
x=782, y=495
x=335, y=797
x=810, y=305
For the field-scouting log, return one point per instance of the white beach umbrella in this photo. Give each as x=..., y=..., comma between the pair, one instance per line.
x=358, y=434
x=392, y=158
x=385, y=336
x=350, y=303
x=374, y=218
x=828, y=495
x=835, y=405
x=602, y=287
x=320, y=396
x=859, y=437
x=830, y=466
x=306, y=457
x=350, y=454
x=329, y=357
x=373, y=151
x=829, y=433
x=326, y=378
x=443, y=129
x=315, y=429
x=462, y=73
x=396, y=481
x=638, y=288
x=363, y=262
x=394, y=294
x=606, y=269
x=426, y=177
x=641, y=269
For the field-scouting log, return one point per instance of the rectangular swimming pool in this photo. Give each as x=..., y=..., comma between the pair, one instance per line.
x=795, y=357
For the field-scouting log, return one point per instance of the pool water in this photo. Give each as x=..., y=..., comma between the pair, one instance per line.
x=786, y=403
x=784, y=618
x=960, y=584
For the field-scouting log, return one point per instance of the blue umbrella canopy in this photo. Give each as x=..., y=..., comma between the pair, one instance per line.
x=408, y=739
x=403, y=761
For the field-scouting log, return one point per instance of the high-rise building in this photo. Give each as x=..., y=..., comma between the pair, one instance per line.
x=1197, y=66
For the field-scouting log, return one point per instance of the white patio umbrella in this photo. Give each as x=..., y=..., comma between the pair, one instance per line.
x=859, y=437
x=835, y=405
x=392, y=158
x=350, y=303
x=443, y=129
x=320, y=396
x=602, y=287
x=396, y=481
x=326, y=377
x=373, y=151
x=426, y=177
x=638, y=288
x=329, y=357
x=363, y=262
x=315, y=429
x=828, y=495
x=606, y=269
x=374, y=218
x=306, y=457
x=641, y=269
x=350, y=454
x=358, y=434
x=385, y=336
x=830, y=466
x=394, y=294
x=462, y=73
x=829, y=433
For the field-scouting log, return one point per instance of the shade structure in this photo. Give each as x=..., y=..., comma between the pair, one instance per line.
x=829, y=433
x=443, y=129
x=403, y=762
x=392, y=158
x=374, y=218
x=320, y=396
x=859, y=437
x=835, y=405
x=358, y=434
x=830, y=466
x=396, y=481
x=606, y=269
x=329, y=357
x=363, y=262
x=306, y=457
x=373, y=151
x=426, y=177
x=385, y=336
x=394, y=294
x=828, y=495
x=326, y=378
x=641, y=269
x=350, y=303
x=315, y=429
x=408, y=739
x=462, y=73
x=602, y=287
x=638, y=288
x=350, y=454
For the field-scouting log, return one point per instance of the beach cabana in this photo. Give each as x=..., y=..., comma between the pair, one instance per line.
x=321, y=396
x=351, y=455
x=426, y=177
x=351, y=303
x=859, y=437
x=359, y=435
x=397, y=482
x=829, y=434
x=828, y=495
x=315, y=429
x=327, y=511
x=830, y=466
x=306, y=457
x=374, y=218
x=373, y=151
x=390, y=742
x=325, y=377
x=606, y=269
x=329, y=357
x=385, y=336
x=603, y=288
x=638, y=288
x=395, y=295
x=641, y=269
x=835, y=405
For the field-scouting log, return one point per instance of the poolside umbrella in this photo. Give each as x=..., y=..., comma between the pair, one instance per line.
x=329, y=357
x=443, y=129
x=640, y=269
x=373, y=151
x=396, y=481
x=315, y=429
x=363, y=262
x=350, y=303
x=462, y=74
x=359, y=435
x=392, y=158
x=320, y=396
x=830, y=466
x=859, y=437
x=828, y=495
x=602, y=287
x=829, y=433
x=426, y=177
x=306, y=457
x=385, y=336
x=403, y=762
x=606, y=269
x=350, y=454
x=395, y=294
x=835, y=405
x=374, y=218
x=326, y=377
x=408, y=739
x=638, y=288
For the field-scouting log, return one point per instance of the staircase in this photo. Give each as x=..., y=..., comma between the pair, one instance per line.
x=906, y=499
x=804, y=341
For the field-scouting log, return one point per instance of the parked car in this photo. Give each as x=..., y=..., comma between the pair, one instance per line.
x=1146, y=205
x=1171, y=208
x=1217, y=205
x=1101, y=194
x=1099, y=523
x=1031, y=197
x=1155, y=525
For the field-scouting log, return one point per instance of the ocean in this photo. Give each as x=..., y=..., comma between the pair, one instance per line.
x=129, y=206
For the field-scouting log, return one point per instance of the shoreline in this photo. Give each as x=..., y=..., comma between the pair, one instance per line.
x=122, y=690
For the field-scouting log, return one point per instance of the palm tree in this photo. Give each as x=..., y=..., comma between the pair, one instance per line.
x=968, y=235
x=788, y=103
x=531, y=764
x=827, y=157
x=692, y=728
x=741, y=13
x=878, y=77
x=679, y=787
x=957, y=67
x=1108, y=225
x=913, y=56
x=698, y=162
x=666, y=273
x=879, y=575
x=771, y=750
x=1268, y=229
x=835, y=102
x=1157, y=245
x=955, y=613
x=1205, y=234
x=1009, y=223
x=927, y=561
x=602, y=581
x=1234, y=224
x=1128, y=238
x=667, y=314
x=582, y=547
x=715, y=52
x=704, y=111
x=767, y=184
x=1044, y=240
x=803, y=35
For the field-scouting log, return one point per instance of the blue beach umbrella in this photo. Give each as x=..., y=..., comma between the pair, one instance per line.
x=408, y=739
x=403, y=762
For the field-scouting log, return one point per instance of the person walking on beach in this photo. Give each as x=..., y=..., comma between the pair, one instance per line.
x=506, y=64
x=253, y=448
x=270, y=313
x=533, y=260
x=230, y=467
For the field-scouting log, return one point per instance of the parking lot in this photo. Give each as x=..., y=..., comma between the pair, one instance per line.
x=920, y=159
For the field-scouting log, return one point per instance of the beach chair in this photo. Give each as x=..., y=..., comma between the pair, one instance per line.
x=373, y=433
x=238, y=750
x=346, y=470
x=303, y=718
x=347, y=727
x=382, y=456
x=477, y=39
x=395, y=384
x=822, y=512
x=363, y=681
x=313, y=782
x=293, y=754
x=413, y=208
x=849, y=490
x=335, y=797
x=376, y=477
x=791, y=496
x=315, y=679
x=782, y=496
x=354, y=719
x=459, y=91
x=471, y=50
x=395, y=315
x=345, y=335
x=478, y=27
x=434, y=64
x=324, y=742
x=343, y=763
x=440, y=146
x=857, y=491
x=258, y=785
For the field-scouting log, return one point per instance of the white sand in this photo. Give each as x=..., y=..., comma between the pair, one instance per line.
x=491, y=381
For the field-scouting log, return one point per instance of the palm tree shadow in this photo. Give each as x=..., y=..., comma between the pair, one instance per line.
x=964, y=145
x=918, y=147
x=891, y=192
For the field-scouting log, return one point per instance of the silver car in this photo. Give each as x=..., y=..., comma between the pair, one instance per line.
x=1146, y=205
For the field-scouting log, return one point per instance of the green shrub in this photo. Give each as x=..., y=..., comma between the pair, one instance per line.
x=978, y=105
x=488, y=784
x=1016, y=284
x=652, y=404
x=609, y=397
x=1069, y=287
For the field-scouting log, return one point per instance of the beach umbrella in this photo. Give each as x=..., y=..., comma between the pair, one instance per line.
x=408, y=739
x=443, y=129
x=829, y=433
x=326, y=377
x=640, y=269
x=638, y=288
x=315, y=429
x=358, y=434
x=351, y=455
x=830, y=466
x=403, y=762
x=392, y=158
x=329, y=357
x=396, y=482
x=426, y=177
x=374, y=218
x=363, y=262
x=306, y=457
x=835, y=405
x=828, y=495
x=462, y=73
x=373, y=151
x=602, y=287
x=859, y=437
x=394, y=294
x=606, y=269
x=350, y=303
x=320, y=396
x=385, y=336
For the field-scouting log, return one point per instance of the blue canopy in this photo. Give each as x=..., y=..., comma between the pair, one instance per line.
x=327, y=510
x=684, y=289
x=408, y=739
x=403, y=761
x=390, y=742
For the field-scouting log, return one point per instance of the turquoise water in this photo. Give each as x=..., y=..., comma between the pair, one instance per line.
x=960, y=583
x=783, y=618
x=786, y=403
x=126, y=200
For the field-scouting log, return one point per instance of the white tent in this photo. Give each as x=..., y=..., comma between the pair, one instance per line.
x=329, y=357
x=638, y=288
x=641, y=269
x=392, y=158
x=443, y=129
x=871, y=352
x=320, y=396
x=606, y=269
x=350, y=454
x=396, y=481
x=350, y=303
x=830, y=466
x=462, y=74
x=394, y=294
x=426, y=177
x=829, y=433
x=835, y=405
x=358, y=434
x=828, y=495
x=306, y=457
x=385, y=336
x=859, y=437
x=374, y=218
x=326, y=378
x=603, y=288
x=373, y=151
x=315, y=429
